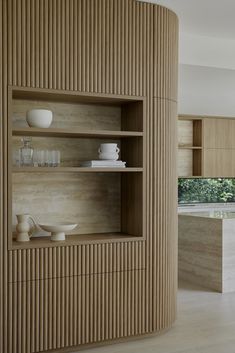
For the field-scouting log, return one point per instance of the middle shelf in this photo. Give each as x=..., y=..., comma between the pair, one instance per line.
x=74, y=133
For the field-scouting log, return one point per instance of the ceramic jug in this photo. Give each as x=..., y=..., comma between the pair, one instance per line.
x=23, y=229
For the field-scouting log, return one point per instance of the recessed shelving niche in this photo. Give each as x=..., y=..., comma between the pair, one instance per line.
x=107, y=203
x=190, y=146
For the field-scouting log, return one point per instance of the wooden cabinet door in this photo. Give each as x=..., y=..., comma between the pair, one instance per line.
x=219, y=162
x=219, y=133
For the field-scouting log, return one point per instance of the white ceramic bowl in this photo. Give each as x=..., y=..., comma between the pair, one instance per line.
x=41, y=118
x=58, y=230
x=58, y=227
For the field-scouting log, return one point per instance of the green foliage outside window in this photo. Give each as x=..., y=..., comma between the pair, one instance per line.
x=206, y=190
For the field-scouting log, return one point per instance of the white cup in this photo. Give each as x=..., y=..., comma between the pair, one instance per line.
x=109, y=148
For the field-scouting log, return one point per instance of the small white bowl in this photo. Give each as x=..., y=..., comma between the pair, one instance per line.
x=58, y=230
x=41, y=118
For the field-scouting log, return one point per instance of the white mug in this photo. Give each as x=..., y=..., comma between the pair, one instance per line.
x=108, y=148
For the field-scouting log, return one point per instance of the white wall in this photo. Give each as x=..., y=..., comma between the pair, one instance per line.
x=206, y=75
x=207, y=51
x=206, y=91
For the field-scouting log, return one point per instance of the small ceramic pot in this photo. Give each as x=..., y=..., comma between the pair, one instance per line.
x=40, y=118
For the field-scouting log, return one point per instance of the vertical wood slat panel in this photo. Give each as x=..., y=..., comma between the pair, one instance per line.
x=54, y=323
x=108, y=47
x=62, y=262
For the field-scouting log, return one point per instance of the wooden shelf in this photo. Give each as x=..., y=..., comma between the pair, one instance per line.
x=190, y=147
x=74, y=170
x=74, y=133
x=45, y=242
x=54, y=95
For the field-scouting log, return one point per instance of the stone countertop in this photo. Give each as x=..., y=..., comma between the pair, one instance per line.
x=211, y=214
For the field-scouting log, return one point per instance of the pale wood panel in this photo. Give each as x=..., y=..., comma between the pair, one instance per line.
x=164, y=208
x=74, y=133
x=106, y=47
x=219, y=133
x=165, y=46
x=218, y=162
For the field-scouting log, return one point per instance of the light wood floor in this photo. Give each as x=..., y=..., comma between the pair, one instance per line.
x=206, y=324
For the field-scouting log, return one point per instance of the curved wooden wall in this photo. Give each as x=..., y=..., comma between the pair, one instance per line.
x=110, y=46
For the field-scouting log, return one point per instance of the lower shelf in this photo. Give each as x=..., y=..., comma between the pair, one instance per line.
x=74, y=170
x=45, y=242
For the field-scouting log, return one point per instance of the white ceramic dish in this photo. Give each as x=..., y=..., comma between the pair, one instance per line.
x=40, y=118
x=58, y=230
x=108, y=156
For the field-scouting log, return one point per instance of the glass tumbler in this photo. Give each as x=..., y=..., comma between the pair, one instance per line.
x=55, y=155
x=41, y=158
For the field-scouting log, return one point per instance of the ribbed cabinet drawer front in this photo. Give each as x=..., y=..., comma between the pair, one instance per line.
x=35, y=264
x=72, y=311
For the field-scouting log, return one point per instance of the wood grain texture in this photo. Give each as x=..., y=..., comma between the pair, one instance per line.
x=120, y=47
x=219, y=147
x=72, y=292
x=218, y=162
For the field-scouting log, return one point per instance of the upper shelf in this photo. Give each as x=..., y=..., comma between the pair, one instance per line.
x=75, y=132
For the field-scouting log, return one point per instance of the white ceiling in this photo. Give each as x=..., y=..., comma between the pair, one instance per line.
x=213, y=18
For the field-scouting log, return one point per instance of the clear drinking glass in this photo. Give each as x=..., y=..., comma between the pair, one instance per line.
x=36, y=158
x=46, y=158
x=26, y=152
x=41, y=158
x=55, y=155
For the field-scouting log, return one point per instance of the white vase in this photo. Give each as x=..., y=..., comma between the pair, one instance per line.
x=23, y=229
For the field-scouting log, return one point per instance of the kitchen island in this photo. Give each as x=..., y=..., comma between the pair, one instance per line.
x=207, y=249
